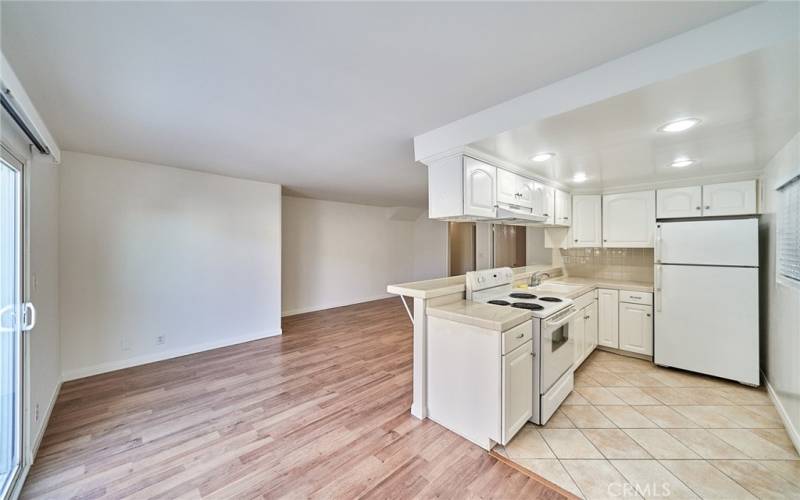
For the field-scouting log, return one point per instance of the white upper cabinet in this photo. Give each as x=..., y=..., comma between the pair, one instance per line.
x=507, y=187
x=680, y=202
x=549, y=204
x=711, y=200
x=563, y=208
x=514, y=189
x=587, y=226
x=730, y=198
x=629, y=220
x=461, y=188
x=479, y=188
x=527, y=188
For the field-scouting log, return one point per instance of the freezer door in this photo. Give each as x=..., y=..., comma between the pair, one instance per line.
x=706, y=320
x=732, y=242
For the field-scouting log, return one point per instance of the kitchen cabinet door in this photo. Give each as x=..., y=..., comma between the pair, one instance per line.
x=679, y=202
x=563, y=208
x=549, y=204
x=531, y=192
x=508, y=184
x=629, y=220
x=479, y=188
x=730, y=198
x=608, y=318
x=577, y=331
x=587, y=223
x=590, y=327
x=636, y=328
x=517, y=390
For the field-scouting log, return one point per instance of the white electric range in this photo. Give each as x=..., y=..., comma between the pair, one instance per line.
x=553, y=348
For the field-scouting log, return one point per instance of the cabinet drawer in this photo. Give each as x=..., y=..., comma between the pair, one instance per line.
x=517, y=336
x=636, y=297
x=555, y=396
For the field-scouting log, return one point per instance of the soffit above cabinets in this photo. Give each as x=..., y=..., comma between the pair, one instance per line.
x=748, y=106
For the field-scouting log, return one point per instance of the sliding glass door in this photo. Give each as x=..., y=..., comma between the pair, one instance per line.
x=10, y=323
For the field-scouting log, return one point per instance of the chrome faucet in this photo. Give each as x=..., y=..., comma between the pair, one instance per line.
x=536, y=278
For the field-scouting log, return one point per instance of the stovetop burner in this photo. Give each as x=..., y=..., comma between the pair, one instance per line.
x=550, y=299
x=522, y=295
x=527, y=305
x=499, y=302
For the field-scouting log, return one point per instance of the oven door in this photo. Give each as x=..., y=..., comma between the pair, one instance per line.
x=557, y=347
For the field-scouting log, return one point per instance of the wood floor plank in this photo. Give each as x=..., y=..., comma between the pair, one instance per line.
x=319, y=412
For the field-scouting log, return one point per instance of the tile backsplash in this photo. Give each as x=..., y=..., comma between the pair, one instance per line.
x=627, y=264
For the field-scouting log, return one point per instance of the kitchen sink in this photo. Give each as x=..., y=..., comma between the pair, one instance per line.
x=555, y=288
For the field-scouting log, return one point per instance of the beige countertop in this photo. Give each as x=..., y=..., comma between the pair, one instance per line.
x=487, y=316
x=501, y=318
x=429, y=289
x=592, y=283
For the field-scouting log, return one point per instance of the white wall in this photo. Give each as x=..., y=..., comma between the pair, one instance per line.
x=780, y=304
x=43, y=371
x=44, y=341
x=148, y=250
x=342, y=253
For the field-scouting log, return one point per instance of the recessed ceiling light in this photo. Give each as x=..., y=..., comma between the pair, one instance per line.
x=679, y=125
x=681, y=162
x=579, y=177
x=542, y=156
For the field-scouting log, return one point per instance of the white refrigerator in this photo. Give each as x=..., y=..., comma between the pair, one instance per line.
x=706, y=298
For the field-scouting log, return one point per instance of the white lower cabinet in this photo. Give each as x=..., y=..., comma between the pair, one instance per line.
x=590, y=330
x=608, y=324
x=517, y=403
x=636, y=328
x=480, y=381
x=577, y=331
x=583, y=329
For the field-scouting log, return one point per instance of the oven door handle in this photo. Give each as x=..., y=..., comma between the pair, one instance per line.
x=566, y=318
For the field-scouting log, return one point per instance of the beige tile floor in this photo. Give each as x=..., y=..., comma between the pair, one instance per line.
x=631, y=429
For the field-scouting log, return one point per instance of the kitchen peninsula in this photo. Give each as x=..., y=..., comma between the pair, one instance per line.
x=444, y=299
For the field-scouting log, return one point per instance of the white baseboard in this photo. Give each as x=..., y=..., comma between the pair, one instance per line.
x=45, y=420
x=31, y=453
x=301, y=310
x=160, y=356
x=794, y=435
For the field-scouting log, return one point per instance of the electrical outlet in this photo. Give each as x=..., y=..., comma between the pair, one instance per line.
x=125, y=344
x=161, y=339
x=36, y=413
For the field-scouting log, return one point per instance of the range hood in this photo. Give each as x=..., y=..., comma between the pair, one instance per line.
x=512, y=214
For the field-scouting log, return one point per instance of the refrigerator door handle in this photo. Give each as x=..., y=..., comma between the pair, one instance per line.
x=658, y=243
x=658, y=288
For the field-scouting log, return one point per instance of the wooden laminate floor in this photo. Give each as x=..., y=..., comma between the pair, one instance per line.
x=322, y=411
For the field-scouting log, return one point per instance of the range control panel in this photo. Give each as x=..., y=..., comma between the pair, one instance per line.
x=488, y=278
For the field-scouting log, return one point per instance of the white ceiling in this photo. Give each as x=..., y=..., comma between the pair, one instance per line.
x=748, y=106
x=323, y=98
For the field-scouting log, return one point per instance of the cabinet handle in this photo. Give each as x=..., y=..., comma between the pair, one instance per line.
x=697, y=207
x=547, y=215
x=586, y=317
x=566, y=218
x=520, y=335
x=576, y=241
x=635, y=297
x=708, y=207
x=648, y=315
x=605, y=241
